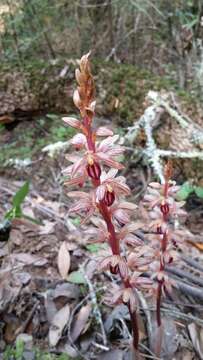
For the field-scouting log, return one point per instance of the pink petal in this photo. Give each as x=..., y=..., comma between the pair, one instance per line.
x=115, y=151
x=78, y=165
x=149, y=197
x=121, y=216
x=104, y=264
x=134, y=226
x=68, y=170
x=78, y=207
x=144, y=282
x=122, y=188
x=155, y=185
x=108, y=161
x=75, y=181
x=72, y=158
x=72, y=122
x=78, y=194
x=132, y=240
x=88, y=216
x=109, y=141
x=127, y=205
x=123, y=269
x=103, y=131
x=78, y=140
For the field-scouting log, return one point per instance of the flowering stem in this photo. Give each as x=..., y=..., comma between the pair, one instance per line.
x=113, y=240
x=158, y=304
x=135, y=328
x=89, y=135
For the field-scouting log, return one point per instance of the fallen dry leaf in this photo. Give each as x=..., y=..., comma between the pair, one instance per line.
x=81, y=321
x=57, y=325
x=168, y=336
x=28, y=259
x=47, y=227
x=67, y=290
x=16, y=237
x=63, y=260
x=196, y=335
x=112, y=355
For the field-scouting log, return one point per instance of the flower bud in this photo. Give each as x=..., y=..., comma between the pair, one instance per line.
x=94, y=170
x=109, y=198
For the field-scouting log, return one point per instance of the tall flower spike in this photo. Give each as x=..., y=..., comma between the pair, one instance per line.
x=134, y=258
x=104, y=200
x=163, y=211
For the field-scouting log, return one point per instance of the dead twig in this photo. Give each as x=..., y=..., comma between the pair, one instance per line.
x=185, y=275
x=147, y=313
x=191, y=290
x=23, y=327
x=96, y=309
x=70, y=323
x=192, y=262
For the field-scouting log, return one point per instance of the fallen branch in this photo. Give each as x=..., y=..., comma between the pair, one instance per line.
x=148, y=122
x=192, y=262
x=185, y=275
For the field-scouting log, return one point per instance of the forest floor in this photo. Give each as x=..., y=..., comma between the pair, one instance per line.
x=34, y=300
x=46, y=317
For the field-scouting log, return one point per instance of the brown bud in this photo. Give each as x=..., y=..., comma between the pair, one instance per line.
x=94, y=170
x=109, y=198
x=168, y=171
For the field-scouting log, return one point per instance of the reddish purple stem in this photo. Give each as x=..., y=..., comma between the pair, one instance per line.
x=113, y=240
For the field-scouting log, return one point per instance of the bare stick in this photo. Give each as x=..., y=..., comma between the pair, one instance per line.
x=96, y=309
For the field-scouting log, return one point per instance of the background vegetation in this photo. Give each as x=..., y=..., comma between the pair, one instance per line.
x=160, y=35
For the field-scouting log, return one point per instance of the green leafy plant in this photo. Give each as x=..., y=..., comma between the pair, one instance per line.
x=76, y=277
x=95, y=248
x=187, y=189
x=19, y=349
x=14, y=353
x=17, y=201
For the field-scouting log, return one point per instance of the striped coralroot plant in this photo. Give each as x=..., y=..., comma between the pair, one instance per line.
x=98, y=163
x=139, y=265
x=166, y=239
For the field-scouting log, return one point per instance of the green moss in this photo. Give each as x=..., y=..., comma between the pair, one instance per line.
x=128, y=85
x=121, y=88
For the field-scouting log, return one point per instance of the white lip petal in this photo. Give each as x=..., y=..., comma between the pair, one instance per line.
x=100, y=192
